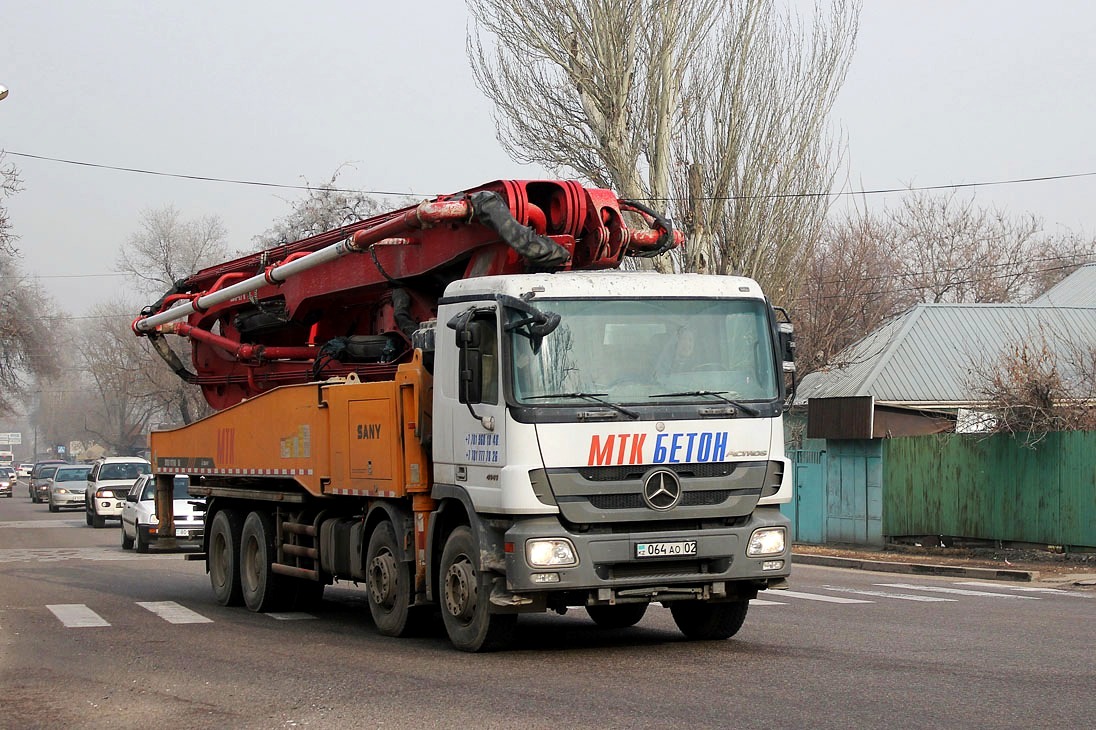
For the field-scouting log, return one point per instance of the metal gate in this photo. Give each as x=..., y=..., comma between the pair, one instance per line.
x=807, y=510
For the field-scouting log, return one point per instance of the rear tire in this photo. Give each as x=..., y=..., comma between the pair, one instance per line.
x=224, y=557
x=465, y=592
x=702, y=621
x=617, y=617
x=262, y=588
x=389, y=581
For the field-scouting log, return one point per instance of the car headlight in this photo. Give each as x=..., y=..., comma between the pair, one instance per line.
x=554, y=553
x=766, y=541
x=62, y=490
x=105, y=494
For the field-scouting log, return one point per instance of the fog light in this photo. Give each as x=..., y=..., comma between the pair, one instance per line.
x=104, y=504
x=545, y=577
x=550, y=553
x=766, y=541
x=772, y=565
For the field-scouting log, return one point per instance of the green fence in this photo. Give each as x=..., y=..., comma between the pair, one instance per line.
x=993, y=488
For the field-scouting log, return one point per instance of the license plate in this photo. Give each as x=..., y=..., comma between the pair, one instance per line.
x=182, y=533
x=665, y=549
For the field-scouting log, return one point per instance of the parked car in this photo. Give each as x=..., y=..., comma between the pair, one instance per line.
x=7, y=481
x=24, y=471
x=109, y=480
x=139, y=520
x=67, y=487
x=40, y=478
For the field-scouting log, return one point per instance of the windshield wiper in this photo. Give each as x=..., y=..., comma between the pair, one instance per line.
x=750, y=410
x=595, y=397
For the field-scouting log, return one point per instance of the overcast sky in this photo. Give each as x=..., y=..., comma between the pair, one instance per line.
x=940, y=92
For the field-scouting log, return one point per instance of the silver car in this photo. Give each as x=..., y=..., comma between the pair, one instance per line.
x=140, y=524
x=7, y=481
x=67, y=487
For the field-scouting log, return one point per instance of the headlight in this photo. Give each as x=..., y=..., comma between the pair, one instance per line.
x=766, y=541
x=62, y=490
x=550, y=553
x=105, y=494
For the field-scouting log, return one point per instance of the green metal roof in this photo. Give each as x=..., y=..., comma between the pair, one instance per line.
x=930, y=355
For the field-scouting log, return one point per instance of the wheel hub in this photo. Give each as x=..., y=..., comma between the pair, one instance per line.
x=382, y=573
x=460, y=590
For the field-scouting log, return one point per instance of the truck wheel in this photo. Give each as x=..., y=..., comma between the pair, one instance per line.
x=464, y=593
x=704, y=621
x=389, y=582
x=127, y=541
x=262, y=588
x=617, y=617
x=224, y=557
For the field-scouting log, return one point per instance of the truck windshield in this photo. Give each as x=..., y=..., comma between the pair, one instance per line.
x=641, y=351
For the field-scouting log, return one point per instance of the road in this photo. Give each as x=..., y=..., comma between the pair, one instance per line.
x=94, y=636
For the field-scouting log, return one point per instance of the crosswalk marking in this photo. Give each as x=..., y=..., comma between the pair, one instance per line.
x=1025, y=589
x=818, y=597
x=173, y=613
x=884, y=594
x=290, y=616
x=765, y=602
x=957, y=591
x=77, y=615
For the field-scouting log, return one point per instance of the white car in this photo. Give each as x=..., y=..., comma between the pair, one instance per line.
x=140, y=523
x=24, y=470
x=108, y=482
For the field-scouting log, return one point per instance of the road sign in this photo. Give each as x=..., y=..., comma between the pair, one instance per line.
x=11, y=438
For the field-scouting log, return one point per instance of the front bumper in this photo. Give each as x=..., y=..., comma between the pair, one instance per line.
x=108, y=507
x=67, y=500
x=184, y=532
x=608, y=569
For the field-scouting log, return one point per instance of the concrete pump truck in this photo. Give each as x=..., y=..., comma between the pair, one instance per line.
x=468, y=408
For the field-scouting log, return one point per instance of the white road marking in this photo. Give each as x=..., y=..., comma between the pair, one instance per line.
x=765, y=602
x=1024, y=589
x=884, y=594
x=52, y=555
x=173, y=613
x=824, y=599
x=291, y=616
x=77, y=615
x=31, y=524
x=957, y=591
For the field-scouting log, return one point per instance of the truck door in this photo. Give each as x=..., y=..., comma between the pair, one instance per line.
x=469, y=423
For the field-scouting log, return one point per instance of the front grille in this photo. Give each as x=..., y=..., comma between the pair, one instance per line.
x=699, y=498
x=663, y=569
x=636, y=471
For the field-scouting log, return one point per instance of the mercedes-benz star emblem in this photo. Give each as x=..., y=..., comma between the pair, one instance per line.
x=662, y=490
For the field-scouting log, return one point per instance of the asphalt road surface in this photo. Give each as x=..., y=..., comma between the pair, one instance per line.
x=94, y=636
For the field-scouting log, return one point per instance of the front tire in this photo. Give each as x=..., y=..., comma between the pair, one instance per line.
x=702, y=621
x=389, y=582
x=142, y=543
x=127, y=541
x=224, y=557
x=262, y=589
x=464, y=591
x=617, y=617
x=53, y=507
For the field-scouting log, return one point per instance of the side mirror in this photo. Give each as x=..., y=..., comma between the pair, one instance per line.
x=131, y=497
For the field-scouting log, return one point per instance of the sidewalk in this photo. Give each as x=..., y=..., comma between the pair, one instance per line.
x=946, y=563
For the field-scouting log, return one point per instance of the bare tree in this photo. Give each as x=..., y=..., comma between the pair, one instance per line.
x=714, y=110
x=26, y=342
x=324, y=208
x=117, y=364
x=168, y=248
x=1034, y=388
x=952, y=250
x=848, y=290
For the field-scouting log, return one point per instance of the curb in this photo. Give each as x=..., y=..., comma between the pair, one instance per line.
x=882, y=566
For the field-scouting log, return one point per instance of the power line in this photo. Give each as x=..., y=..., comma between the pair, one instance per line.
x=766, y=196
